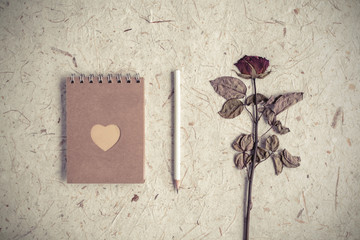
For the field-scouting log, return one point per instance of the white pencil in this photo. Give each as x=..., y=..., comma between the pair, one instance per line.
x=177, y=116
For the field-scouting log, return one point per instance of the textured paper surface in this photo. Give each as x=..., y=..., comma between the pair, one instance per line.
x=313, y=46
x=106, y=104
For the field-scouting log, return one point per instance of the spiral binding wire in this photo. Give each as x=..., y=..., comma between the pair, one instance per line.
x=109, y=79
x=81, y=78
x=118, y=78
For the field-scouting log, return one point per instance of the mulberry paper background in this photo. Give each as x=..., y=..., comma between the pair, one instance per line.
x=313, y=46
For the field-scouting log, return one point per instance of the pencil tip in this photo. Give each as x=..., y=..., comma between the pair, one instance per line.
x=177, y=185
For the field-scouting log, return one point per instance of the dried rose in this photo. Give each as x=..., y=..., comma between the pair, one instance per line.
x=252, y=67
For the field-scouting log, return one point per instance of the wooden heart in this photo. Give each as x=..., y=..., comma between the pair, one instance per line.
x=105, y=137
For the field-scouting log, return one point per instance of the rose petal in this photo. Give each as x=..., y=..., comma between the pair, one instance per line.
x=253, y=65
x=243, y=67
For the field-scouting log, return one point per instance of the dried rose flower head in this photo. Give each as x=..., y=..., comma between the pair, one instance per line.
x=252, y=67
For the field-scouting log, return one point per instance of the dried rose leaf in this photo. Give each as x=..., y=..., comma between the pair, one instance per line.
x=271, y=100
x=243, y=143
x=269, y=116
x=285, y=101
x=229, y=87
x=276, y=125
x=279, y=128
x=231, y=108
x=247, y=142
x=259, y=98
x=288, y=160
x=236, y=143
x=261, y=154
x=272, y=143
x=242, y=160
x=277, y=163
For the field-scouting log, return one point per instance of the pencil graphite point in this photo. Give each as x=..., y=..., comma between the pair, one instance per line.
x=177, y=185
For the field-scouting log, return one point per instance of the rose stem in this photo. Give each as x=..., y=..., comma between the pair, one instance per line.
x=256, y=120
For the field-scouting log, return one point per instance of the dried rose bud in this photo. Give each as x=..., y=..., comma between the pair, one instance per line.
x=252, y=67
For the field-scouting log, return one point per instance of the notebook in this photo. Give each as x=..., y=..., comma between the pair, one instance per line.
x=105, y=129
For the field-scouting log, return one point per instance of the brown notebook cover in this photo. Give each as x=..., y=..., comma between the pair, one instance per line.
x=105, y=129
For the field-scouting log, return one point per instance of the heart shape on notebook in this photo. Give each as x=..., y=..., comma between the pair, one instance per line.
x=105, y=137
